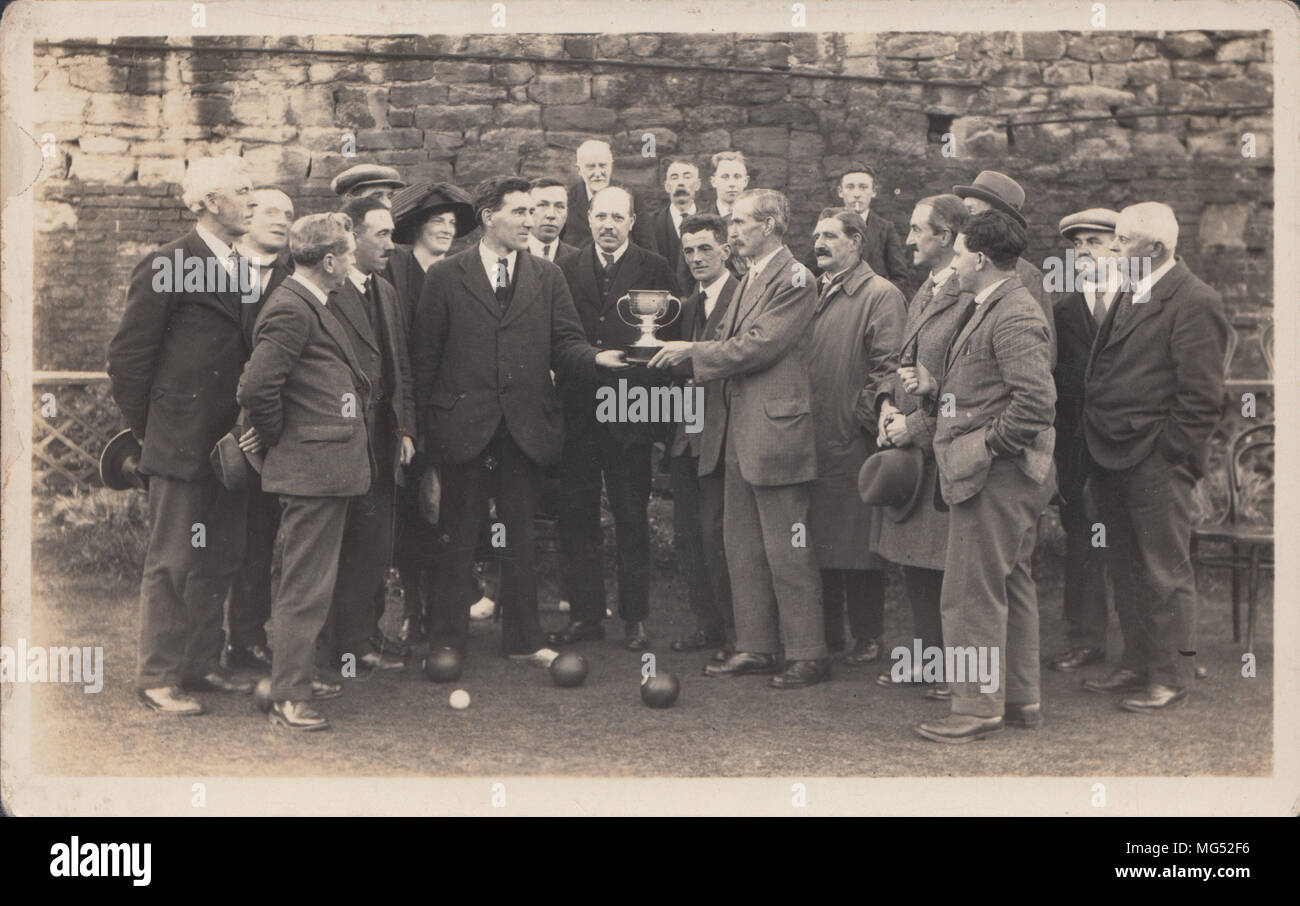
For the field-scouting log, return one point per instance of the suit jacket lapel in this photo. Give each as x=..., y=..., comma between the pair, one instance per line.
x=527, y=287
x=349, y=305
x=720, y=308
x=228, y=303
x=946, y=299
x=330, y=323
x=629, y=270
x=756, y=285
x=476, y=281
x=981, y=312
x=1167, y=286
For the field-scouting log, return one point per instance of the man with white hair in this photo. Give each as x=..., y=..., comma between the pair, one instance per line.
x=1153, y=394
x=595, y=163
x=174, y=364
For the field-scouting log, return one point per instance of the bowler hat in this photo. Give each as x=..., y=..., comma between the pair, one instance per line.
x=999, y=190
x=415, y=204
x=365, y=175
x=1100, y=219
x=119, y=462
x=892, y=479
x=231, y=464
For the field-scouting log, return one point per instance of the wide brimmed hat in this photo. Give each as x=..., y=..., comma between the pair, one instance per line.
x=231, y=464
x=414, y=205
x=119, y=462
x=999, y=190
x=892, y=479
x=365, y=175
x=1100, y=219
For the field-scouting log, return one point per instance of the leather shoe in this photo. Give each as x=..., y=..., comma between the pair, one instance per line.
x=1026, y=717
x=373, y=662
x=1155, y=697
x=384, y=645
x=740, y=663
x=635, y=637
x=297, y=716
x=865, y=651
x=576, y=631
x=321, y=690
x=722, y=654
x=1076, y=658
x=938, y=692
x=958, y=728
x=798, y=674
x=170, y=700
x=1122, y=680
x=219, y=682
x=250, y=657
x=411, y=631
x=697, y=641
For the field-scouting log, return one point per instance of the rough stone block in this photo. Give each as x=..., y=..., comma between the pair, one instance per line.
x=762, y=140
x=924, y=46
x=560, y=88
x=517, y=115
x=1095, y=96
x=157, y=170
x=415, y=95
x=644, y=45
x=475, y=164
x=1186, y=44
x=102, y=168
x=1066, y=72
x=512, y=73
x=442, y=118
x=1241, y=91
x=1042, y=45
x=579, y=116
x=456, y=71
x=389, y=139
x=475, y=94
x=1241, y=50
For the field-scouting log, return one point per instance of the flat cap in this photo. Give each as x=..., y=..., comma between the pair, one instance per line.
x=365, y=175
x=1103, y=219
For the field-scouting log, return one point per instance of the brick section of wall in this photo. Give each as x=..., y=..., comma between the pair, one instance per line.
x=126, y=123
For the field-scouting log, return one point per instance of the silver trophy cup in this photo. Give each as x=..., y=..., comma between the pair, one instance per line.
x=648, y=308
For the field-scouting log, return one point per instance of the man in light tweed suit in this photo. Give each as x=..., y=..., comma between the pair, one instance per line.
x=765, y=435
x=993, y=441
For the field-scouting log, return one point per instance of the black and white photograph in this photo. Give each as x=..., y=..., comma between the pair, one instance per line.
x=833, y=408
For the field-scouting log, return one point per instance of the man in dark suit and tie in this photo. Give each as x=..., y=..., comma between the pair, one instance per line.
x=368, y=309
x=1153, y=394
x=618, y=452
x=266, y=245
x=492, y=326
x=766, y=438
x=1079, y=315
x=881, y=247
x=663, y=231
x=697, y=493
x=550, y=213
x=174, y=364
x=307, y=393
x=595, y=163
x=993, y=444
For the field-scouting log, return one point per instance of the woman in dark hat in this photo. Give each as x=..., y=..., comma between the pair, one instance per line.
x=427, y=218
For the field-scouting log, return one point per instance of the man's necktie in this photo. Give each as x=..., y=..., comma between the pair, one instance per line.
x=372, y=299
x=546, y=251
x=503, y=281
x=962, y=321
x=605, y=274
x=926, y=297
x=1098, y=306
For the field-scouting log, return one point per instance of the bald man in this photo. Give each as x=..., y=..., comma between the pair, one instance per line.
x=1153, y=393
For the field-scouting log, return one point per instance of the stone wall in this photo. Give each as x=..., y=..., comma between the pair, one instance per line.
x=125, y=123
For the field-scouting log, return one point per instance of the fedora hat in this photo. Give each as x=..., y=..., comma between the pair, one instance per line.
x=365, y=175
x=999, y=190
x=415, y=204
x=231, y=464
x=1100, y=219
x=892, y=479
x=119, y=462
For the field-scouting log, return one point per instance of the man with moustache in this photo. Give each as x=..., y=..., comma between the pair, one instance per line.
x=766, y=436
x=730, y=178
x=994, y=191
x=618, y=453
x=595, y=164
x=698, y=486
x=306, y=394
x=856, y=331
x=664, y=231
x=916, y=536
x=994, y=403
x=1079, y=316
x=174, y=364
x=367, y=181
x=266, y=246
x=491, y=418
x=1153, y=394
x=550, y=213
x=368, y=310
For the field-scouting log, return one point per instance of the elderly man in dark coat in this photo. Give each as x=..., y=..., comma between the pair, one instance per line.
x=857, y=325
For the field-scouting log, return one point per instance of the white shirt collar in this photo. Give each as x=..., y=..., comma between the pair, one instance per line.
x=538, y=248
x=714, y=289
x=724, y=210
x=983, y=295
x=489, y=260
x=679, y=216
x=756, y=266
x=320, y=294
x=617, y=253
x=358, y=280
x=1142, y=288
x=219, y=248
x=941, y=277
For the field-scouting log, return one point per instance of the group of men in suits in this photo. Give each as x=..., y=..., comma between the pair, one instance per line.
x=842, y=427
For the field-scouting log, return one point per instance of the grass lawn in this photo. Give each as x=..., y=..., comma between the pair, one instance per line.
x=399, y=724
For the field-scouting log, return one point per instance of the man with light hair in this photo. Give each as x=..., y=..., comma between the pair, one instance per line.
x=1153, y=394
x=307, y=395
x=174, y=364
x=595, y=164
x=730, y=178
x=765, y=432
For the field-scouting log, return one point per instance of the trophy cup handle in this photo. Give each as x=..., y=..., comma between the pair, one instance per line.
x=676, y=314
x=618, y=307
